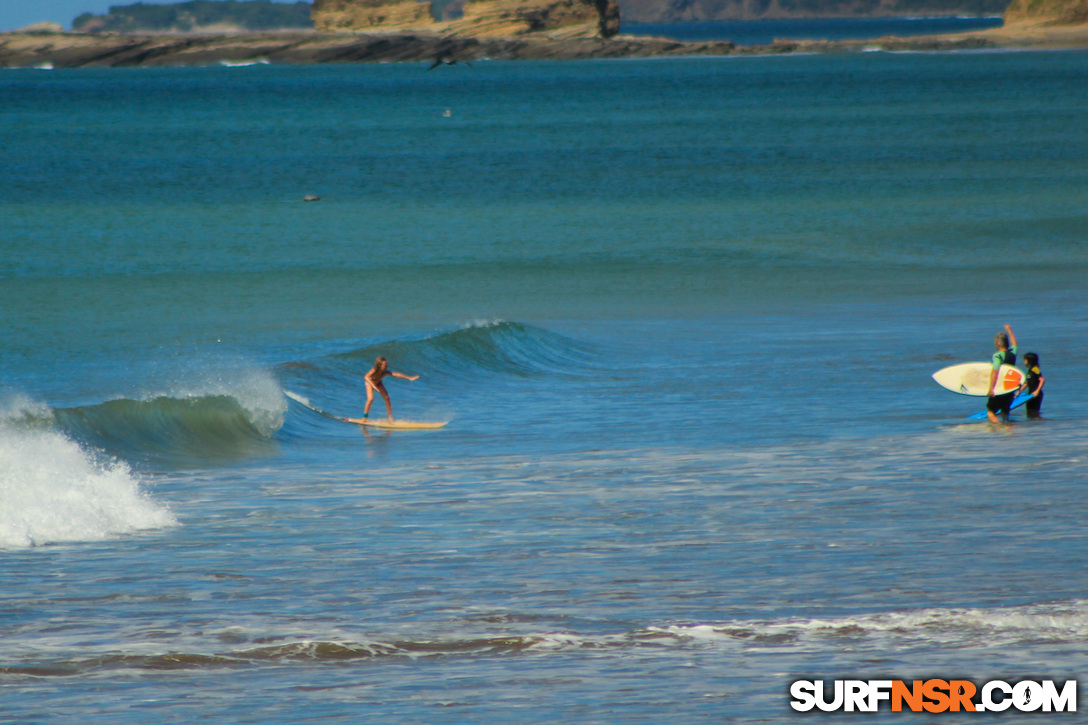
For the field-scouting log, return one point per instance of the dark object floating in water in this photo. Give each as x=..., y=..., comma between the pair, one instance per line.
x=443, y=59
x=311, y=197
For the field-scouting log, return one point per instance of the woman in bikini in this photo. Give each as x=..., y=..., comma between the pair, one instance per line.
x=374, y=382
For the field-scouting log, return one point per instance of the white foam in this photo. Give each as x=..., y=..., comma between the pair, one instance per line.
x=51, y=491
x=15, y=408
x=1064, y=621
x=481, y=323
x=243, y=63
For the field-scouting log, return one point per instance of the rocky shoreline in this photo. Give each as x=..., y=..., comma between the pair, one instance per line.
x=70, y=50
x=67, y=50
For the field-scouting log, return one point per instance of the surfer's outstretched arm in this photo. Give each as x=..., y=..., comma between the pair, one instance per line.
x=402, y=376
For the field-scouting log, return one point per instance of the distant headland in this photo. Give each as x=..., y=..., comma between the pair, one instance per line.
x=443, y=31
x=495, y=17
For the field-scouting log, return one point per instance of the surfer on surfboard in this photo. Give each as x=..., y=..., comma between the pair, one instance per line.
x=374, y=382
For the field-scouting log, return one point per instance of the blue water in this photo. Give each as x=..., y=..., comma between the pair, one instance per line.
x=680, y=316
x=765, y=32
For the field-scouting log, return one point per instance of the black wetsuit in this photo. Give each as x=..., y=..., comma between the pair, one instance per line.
x=1002, y=404
x=1035, y=404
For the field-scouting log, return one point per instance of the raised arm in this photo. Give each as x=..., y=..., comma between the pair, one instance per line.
x=402, y=376
x=1012, y=337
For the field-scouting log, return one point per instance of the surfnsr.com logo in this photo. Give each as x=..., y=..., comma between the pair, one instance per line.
x=933, y=695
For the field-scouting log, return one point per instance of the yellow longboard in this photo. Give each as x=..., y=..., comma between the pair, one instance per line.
x=395, y=425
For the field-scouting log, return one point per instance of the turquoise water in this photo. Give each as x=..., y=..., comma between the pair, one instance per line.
x=680, y=315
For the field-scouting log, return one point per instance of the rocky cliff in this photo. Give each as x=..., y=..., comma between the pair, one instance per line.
x=333, y=15
x=557, y=18
x=1047, y=12
x=472, y=18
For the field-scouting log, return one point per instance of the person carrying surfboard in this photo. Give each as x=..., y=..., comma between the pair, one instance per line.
x=996, y=405
x=374, y=382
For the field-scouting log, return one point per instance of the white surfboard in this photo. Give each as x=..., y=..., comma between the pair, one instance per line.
x=379, y=423
x=974, y=378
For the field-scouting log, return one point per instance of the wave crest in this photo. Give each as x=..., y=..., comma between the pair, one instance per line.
x=497, y=346
x=208, y=427
x=216, y=418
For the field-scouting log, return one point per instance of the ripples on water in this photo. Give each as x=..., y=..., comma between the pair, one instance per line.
x=681, y=316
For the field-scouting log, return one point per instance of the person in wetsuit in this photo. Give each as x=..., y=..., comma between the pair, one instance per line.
x=998, y=406
x=1033, y=383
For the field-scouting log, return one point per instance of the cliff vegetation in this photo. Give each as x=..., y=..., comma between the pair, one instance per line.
x=1048, y=12
x=197, y=16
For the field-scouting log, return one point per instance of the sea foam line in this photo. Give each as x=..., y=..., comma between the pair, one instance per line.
x=933, y=630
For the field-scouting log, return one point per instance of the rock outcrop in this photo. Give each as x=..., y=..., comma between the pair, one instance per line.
x=556, y=18
x=1047, y=12
x=44, y=28
x=72, y=50
x=366, y=15
x=472, y=18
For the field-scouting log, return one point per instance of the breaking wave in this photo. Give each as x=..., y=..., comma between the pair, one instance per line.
x=213, y=419
x=52, y=490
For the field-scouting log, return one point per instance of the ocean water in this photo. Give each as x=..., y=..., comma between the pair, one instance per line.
x=765, y=32
x=680, y=316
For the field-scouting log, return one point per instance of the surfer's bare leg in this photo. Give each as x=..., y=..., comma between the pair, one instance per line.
x=385, y=397
x=370, y=388
x=369, y=398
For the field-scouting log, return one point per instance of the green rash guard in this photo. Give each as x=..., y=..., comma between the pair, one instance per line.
x=1005, y=357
